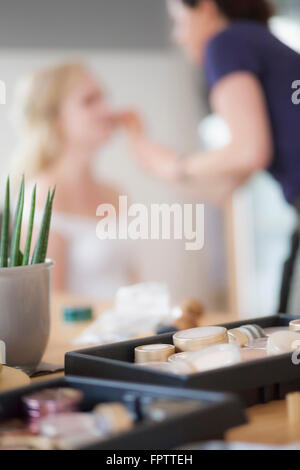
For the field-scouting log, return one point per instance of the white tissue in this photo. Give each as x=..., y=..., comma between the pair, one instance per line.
x=139, y=309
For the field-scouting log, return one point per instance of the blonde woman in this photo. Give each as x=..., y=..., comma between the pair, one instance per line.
x=65, y=121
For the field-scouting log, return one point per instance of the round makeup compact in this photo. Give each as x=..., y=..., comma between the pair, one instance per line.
x=215, y=357
x=153, y=353
x=295, y=325
x=199, y=338
x=283, y=342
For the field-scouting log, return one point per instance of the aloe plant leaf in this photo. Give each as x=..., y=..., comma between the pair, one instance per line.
x=37, y=245
x=16, y=236
x=47, y=229
x=40, y=252
x=21, y=256
x=18, y=204
x=46, y=239
x=4, y=245
x=25, y=260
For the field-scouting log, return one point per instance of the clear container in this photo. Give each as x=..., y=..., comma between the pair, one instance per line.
x=257, y=344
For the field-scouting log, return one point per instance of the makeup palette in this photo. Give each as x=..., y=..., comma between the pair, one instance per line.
x=203, y=349
x=255, y=373
x=89, y=414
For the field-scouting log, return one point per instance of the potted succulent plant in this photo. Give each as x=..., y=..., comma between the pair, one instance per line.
x=24, y=284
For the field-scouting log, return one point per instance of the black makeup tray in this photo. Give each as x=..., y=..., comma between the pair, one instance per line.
x=256, y=382
x=216, y=414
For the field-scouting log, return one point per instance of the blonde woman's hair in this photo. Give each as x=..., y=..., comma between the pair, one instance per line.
x=37, y=102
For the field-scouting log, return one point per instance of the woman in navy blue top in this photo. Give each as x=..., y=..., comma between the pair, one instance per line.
x=253, y=81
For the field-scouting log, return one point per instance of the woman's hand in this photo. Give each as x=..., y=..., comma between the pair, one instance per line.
x=131, y=122
x=158, y=161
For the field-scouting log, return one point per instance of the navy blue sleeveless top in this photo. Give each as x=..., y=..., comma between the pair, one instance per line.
x=251, y=47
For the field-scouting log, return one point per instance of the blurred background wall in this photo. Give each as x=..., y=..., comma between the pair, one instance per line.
x=127, y=43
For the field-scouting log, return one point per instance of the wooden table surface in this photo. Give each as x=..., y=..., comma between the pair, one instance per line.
x=268, y=424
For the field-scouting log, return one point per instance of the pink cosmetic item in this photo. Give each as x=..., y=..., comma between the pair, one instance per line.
x=215, y=357
x=68, y=425
x=51, y=402
x=253, y=354
x=275, y=329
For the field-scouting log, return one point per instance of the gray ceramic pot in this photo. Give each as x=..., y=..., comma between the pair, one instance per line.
x=25, y=313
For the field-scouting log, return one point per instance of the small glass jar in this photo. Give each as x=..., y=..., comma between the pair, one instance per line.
x=196, y=339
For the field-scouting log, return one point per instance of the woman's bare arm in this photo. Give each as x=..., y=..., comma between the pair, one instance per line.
x=240, y=101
